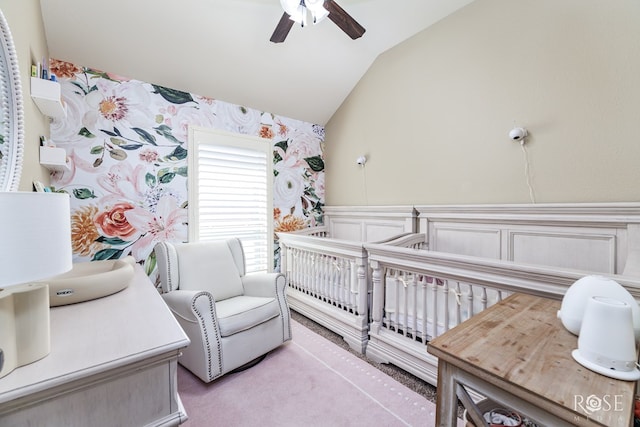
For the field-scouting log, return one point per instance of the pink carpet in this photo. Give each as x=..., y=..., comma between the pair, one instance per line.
x=306, y=382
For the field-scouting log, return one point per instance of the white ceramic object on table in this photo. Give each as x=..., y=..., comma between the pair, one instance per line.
x=90, y=280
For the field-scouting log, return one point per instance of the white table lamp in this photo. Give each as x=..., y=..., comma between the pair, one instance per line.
x=35, y=244
x=606, y=343
x=574, y=302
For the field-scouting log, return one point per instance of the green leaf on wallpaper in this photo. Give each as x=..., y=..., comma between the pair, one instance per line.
x=118, y=154
x=164, y=130
x=108, y=132
x=159, y=118
x=83, y=194
x=86, y=133
x=79, y=86
x=117, y=141
x=145, y=136
x=165, y=176
x=97, y=162
x=100, y=75
x=97, y=149
x=172, y=95
x=315, y=163
x=150, y=180
x=283, y=145
x=131, y=146
x=109, y=253
x=111, y=240
x=178, y=154
x=57, y=190
x=182, y=171
x=150, y=264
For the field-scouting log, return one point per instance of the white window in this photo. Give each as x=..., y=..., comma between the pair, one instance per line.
x=230, y=192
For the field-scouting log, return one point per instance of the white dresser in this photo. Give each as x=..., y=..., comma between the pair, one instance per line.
x=113, y=362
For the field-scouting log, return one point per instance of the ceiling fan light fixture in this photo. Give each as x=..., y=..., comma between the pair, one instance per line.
x=316, y=7
x=296, y=9
x=319, y=16
x=290, y=6
x=301, y=15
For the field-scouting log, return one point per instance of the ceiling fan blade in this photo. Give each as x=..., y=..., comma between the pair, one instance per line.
x=282, y=29
x=343, y=20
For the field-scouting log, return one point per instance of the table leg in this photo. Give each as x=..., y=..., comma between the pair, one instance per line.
x=446, y=400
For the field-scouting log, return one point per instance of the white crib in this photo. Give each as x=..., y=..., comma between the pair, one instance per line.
x=388, y=299
x=329, y=279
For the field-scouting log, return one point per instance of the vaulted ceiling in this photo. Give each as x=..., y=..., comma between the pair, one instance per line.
x=221, y=48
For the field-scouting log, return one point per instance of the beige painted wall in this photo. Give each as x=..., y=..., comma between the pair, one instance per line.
x=433, y=114
x=25, y=22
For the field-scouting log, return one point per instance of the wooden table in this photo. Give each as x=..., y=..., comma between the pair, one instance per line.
x=518, y=353
x=113, y=362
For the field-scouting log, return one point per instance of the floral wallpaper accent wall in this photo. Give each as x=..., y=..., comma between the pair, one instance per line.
x=126, y=141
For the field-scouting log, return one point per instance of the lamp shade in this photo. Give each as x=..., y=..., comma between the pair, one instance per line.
x=35, y=244
x=36, y=236
x=606, y=343
x=575, y=300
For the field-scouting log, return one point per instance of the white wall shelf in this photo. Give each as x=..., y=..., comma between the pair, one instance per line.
x=47, y=96
x=54, y=159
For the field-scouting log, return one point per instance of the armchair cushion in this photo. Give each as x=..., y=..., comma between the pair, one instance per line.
x=241, y=313
x=209, y=266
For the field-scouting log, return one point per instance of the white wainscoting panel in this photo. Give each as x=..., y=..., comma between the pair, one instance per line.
x=589, y=251
x=369, y=223
x=595, y=237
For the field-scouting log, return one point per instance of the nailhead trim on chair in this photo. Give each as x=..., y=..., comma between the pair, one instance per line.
x=169, y=255
x=205, y=329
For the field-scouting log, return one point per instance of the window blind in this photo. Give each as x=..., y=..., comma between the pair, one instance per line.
x=233, y=176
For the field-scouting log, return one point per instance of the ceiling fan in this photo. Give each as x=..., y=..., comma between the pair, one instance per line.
x=296, y=11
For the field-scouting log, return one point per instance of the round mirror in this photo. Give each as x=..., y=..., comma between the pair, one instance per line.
x=11, y=112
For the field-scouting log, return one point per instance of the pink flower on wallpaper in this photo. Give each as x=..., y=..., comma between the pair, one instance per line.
x=282, y=129
x=149, y=155
x=66, y=130
x=266, y=132
x=236, y=118
x=300, y=147
x=114, y=223
x=124, y=180
x=124, y=105
x=168, y=222
x=318, y=184
x=303, y=145
x=188, y=115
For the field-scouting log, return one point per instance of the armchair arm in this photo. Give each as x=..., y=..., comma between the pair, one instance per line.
x=191, y=306
x=264, y=284
x=195, y=311
x=270, y=285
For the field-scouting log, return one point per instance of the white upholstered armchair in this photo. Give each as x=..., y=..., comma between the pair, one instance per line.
x=231, y=318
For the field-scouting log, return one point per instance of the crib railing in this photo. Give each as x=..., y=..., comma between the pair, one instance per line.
x=418, y=295
x=329, y=280
x=336, y=276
